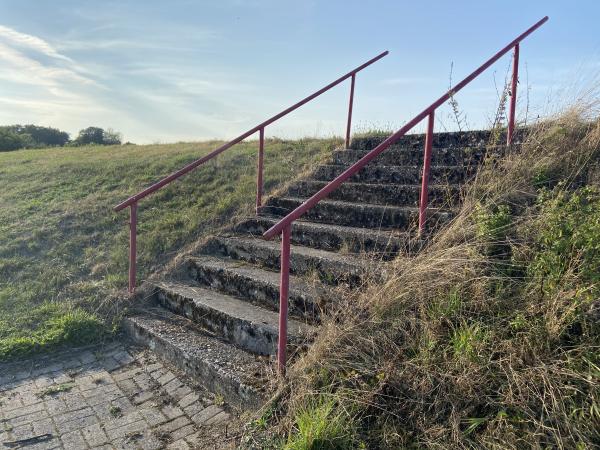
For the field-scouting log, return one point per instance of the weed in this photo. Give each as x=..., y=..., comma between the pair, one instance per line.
x=219, y=400
x=568, y=240
x=459, y=117
x=115, y=411
x=55, y=389
x=466, y=341
x=319, y=426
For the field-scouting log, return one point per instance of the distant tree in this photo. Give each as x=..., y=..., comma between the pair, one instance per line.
x=32, y=136
x=90, y=135
x=112, y=137
x=99, y=136
x=9, y=140
x=43, y=136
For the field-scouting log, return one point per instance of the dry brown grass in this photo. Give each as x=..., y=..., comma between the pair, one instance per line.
x=462, y=347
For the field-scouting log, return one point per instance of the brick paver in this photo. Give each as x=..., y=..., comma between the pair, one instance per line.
x=113, y=396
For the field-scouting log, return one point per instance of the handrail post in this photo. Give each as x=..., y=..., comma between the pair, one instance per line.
x=425, y=178
x=259, y=168
x=349, y=124
x=513, y=96
x=132, y=245
x=283, y=298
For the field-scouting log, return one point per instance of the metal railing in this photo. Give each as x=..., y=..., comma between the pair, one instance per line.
x=132, y=201
x=285, y=224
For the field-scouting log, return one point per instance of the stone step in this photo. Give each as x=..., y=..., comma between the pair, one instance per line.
x=331, y=268
x=477, y=138
x=413, y=156
x=248, y=326
x=395, y=174
x=379, y=194
x=356, y=214
x=224, y=369
x=350, y=240
x=260, y=286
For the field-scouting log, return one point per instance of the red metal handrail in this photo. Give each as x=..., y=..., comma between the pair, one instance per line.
x=133, y=200
x=284, y=225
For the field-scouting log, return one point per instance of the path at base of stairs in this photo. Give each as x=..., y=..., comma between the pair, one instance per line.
x=105, y=397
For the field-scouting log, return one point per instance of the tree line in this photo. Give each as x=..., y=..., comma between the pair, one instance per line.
x=14, y=137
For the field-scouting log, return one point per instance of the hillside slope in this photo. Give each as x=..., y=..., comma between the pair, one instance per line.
x=488, y=338
x=62, y=249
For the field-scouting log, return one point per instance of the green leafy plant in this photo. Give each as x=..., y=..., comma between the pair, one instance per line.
x=568, y=242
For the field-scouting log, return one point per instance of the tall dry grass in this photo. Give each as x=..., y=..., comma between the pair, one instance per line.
x=465, y=345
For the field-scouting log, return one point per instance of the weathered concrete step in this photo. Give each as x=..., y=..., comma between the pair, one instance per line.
x=260, y=286
x=379, y=194
x=332, y=268
x=395, y=174
x=356, y=214
x=412, y=156
x=351, y=240
x=240, y=377
x=246, y=325
x=477, y=138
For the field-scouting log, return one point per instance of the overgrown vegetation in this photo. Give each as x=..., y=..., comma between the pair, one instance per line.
x=489, y=337
x=63, y=251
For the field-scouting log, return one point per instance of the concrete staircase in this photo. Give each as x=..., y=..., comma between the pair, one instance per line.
x=218, y=321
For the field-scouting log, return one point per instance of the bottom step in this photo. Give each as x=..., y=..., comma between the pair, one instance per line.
x=223, y=369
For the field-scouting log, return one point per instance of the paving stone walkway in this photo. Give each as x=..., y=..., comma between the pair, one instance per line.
x=111, y=396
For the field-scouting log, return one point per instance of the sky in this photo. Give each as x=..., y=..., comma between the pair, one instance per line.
x=183, y=70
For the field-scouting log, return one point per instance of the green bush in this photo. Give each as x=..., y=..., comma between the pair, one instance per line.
x=568, y=241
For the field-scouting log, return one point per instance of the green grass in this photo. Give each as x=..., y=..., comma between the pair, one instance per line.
x=63, y=250
x=320, y=426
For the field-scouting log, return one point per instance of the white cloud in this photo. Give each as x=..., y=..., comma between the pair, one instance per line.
x=21, y=68
x=30, y=42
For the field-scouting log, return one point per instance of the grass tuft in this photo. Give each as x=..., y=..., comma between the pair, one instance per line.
x=319, y=426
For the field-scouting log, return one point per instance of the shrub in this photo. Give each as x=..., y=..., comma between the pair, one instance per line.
x=568, y=240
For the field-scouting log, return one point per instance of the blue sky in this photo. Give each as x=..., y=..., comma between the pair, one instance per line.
x=165, y=71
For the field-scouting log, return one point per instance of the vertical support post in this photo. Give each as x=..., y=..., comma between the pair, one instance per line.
x=259, y=168
x=425, y=178
x=513, y=96
x=132, y=245
x=349, y=124
x=284, y=284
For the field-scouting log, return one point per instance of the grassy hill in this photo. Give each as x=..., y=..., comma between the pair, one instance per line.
x=488, y=338
x=63, y=251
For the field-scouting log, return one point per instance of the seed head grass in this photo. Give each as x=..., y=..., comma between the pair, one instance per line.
x=489, y=336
